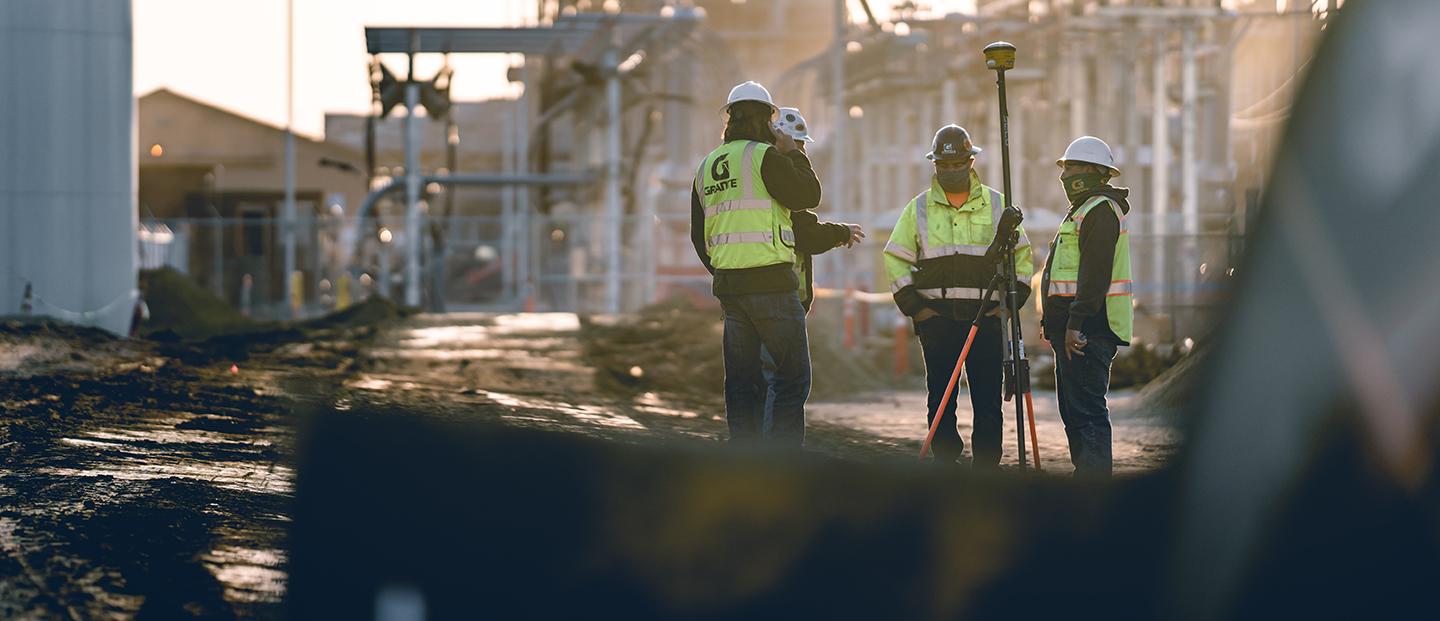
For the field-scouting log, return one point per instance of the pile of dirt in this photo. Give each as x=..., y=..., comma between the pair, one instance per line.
x=373, y=311
x=1142, y=364
x=201, y=328
x=675, y=348
x=1177, y=386
x=1135, y=366
x=180, y=309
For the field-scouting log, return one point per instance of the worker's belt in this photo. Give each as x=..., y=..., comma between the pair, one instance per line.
x=1070, y=288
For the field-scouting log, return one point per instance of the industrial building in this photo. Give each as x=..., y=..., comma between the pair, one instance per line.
x=1193, y=129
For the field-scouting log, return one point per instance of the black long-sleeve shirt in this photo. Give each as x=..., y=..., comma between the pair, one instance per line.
x=1086, y=310
x=814, y=237
x=791, y=181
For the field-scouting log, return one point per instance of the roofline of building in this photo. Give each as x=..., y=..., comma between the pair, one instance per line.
x=165, y=90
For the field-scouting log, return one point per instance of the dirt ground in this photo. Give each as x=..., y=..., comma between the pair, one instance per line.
x=153, y=479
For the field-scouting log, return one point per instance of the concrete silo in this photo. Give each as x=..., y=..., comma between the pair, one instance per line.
x=67, y=160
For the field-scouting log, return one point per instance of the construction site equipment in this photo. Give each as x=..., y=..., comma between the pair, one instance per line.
x=1000, y=57
x=951, y=142
x=1090, y=150
x=749, y=90
x=793, y=124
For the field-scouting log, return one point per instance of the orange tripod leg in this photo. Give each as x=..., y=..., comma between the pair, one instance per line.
x=1034, y=438
x=945, y=400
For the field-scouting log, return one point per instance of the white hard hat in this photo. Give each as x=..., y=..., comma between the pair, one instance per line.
x=1090, y=150
x=792, y=123
x=749, y=91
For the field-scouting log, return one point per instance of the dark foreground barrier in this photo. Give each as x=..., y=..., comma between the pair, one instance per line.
x=484, y=522
x=490, y=522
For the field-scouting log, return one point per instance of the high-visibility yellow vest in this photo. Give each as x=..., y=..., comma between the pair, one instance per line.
x=940, y=248
x=744, y=226
x=1065, y=268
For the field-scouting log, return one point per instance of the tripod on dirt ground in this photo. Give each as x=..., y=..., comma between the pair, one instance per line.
x=1000, y=56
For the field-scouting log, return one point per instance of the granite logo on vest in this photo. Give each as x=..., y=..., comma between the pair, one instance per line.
x=722, y=186
x=720, y=170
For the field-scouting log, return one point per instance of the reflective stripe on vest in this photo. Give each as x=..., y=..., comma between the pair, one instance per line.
x=747, y=238
x=1069, y=288
x=737, y=205
x=900, y=251
x=957, y=293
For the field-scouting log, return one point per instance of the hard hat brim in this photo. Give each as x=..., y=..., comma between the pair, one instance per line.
x=1115, y=172
x=774, y=109
x=974, y=150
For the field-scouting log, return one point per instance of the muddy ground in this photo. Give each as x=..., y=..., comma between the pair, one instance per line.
x=153, y=479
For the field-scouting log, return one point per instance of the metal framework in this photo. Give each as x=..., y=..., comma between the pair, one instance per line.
x=613, y=38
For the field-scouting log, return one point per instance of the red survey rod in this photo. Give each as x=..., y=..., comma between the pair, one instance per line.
x=1034, y=438
x=950, y=389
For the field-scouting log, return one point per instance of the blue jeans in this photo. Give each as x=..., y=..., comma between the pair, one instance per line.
x=941, y=340
x=775, y=324
x=767, y=388
x=1080, y=386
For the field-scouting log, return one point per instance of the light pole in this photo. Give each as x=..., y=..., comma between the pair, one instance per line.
x=288, y=211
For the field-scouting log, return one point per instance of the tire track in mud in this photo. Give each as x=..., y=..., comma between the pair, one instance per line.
x=151, y=480
x=145, y=487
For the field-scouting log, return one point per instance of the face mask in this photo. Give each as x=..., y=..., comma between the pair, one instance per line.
x=1079, y=183
x=954, y=181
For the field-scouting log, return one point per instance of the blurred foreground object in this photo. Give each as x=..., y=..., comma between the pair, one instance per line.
x=67, y=162
x=1313, y=441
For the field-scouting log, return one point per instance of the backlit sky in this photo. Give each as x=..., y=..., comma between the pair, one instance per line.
x=231, y=53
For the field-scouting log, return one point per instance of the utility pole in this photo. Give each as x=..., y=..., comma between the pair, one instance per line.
x=522, y=158
x=1189, y=185
x=287, y=226
x=508, y=230
x=1160, y=172
x=613, y=213
x=413, y=234
x=842, y=116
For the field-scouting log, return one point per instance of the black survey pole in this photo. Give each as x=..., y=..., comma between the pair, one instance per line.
x=1000, y=56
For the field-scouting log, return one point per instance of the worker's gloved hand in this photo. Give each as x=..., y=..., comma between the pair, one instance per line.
x=1074, y=344
x=783, y=141
x=1010, y=219
x=925, y=314
x=856, y=234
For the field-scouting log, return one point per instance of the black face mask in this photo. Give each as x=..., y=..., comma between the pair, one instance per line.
x=954, y=181
x=1079, y=184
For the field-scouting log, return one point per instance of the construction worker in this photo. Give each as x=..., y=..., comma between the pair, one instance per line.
x=938, y=272
x=1088, y=311
x=740, y=223
x=812, y=237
